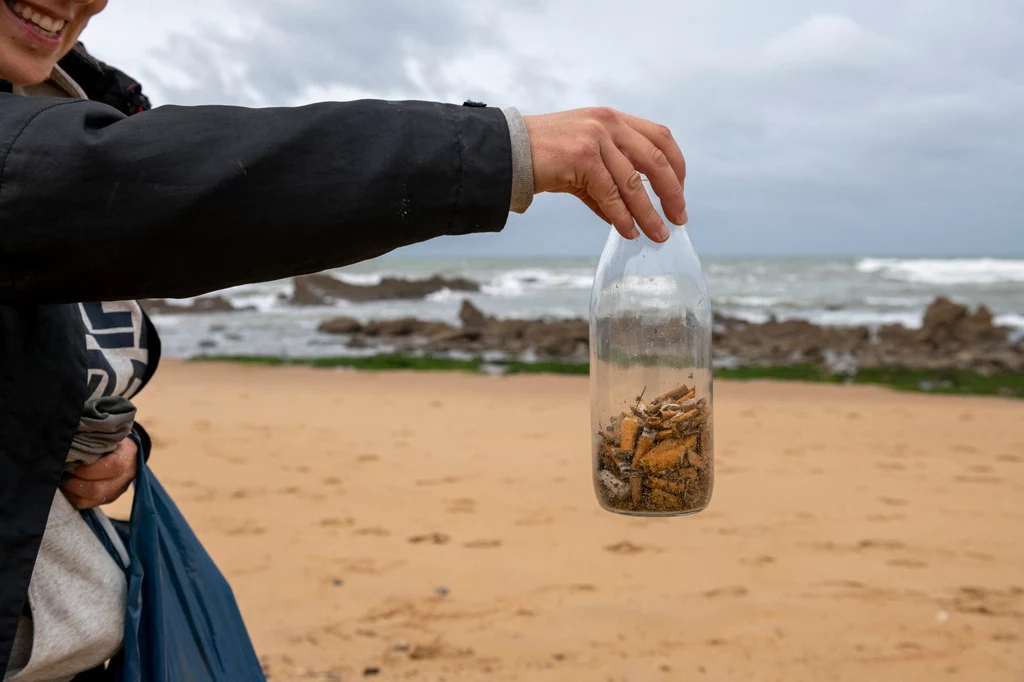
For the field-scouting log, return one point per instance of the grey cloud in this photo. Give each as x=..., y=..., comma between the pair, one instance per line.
x=363, y=45
x=810, y=127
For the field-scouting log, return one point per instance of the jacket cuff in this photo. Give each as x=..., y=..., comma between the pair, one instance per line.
x=522, y=161
x=147, y=442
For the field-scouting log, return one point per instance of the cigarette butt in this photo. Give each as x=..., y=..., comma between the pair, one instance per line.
x=627, y=439
x=663, y=500
x=667, y=433
x=637, y=484
x=663, y=456
x=685, y=475
x=695, y=460
x=689, y=442
x=644, y=446
x=688, y=415
x=666, y=485
x=609, y=462
x=689, y=396
x=673, y=395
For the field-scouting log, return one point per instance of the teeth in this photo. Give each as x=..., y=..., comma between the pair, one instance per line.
x=48, y=24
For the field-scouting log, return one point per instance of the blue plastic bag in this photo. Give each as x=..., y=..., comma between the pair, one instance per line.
x=182, y=622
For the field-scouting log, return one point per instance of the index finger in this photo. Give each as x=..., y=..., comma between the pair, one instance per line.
x=117, y=464
x=662, y=138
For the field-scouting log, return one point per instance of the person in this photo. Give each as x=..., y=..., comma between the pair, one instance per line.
x=105, y=200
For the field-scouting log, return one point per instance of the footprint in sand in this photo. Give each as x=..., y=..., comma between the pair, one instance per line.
x=885, y=518
x=989, y=480
x=890, y=466
x=728, y=591
x=763, y=560
x=447, y=480
x=374, y=532
x=367, y=458
x=483, y=544
x=908, y=563
x=430, y=538
x=335, y=522
x=462, y=505
x=245, y=528
x=881, y=544
x=893, y=501
x=626, y=548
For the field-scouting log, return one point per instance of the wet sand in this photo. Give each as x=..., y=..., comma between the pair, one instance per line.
x=443, y=527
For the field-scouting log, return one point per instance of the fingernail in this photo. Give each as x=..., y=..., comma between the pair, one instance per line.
x=633, y=233
x=661, y=233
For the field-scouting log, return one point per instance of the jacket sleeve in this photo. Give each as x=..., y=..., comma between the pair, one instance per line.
x=180, y=201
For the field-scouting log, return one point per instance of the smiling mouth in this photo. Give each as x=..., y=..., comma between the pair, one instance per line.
x=44, y=24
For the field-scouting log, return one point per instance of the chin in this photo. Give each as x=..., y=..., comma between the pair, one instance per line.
x=25, y=72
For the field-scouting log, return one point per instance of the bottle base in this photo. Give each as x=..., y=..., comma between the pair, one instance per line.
x=636, y=513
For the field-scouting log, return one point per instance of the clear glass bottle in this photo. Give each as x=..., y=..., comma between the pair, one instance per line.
x=651, y=377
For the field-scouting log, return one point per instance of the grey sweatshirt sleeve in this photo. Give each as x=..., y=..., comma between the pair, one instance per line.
x=522, y=161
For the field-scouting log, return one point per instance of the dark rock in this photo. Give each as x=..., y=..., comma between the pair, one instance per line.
x=358, y=343
x=371, y=672
x=978, y=327
x=321, y=289
x=315, y=290
x=557, y=339
x=471, y=316
x=405, y=326
x=941, y=320
x=340, y=325
x=207, y=304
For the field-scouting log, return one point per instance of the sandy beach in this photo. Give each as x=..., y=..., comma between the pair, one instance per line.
x=436, y=527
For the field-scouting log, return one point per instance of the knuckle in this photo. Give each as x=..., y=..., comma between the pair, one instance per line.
x=593, y=130
x=611, y=192
x=605, y=115
x=658, y=159
x=635, y=184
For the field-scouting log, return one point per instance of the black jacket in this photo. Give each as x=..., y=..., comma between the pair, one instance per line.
x=173, y=202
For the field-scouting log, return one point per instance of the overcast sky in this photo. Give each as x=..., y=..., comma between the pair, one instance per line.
x=878, y=127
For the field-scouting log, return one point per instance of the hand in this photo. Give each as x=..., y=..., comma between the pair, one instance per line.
x=103, y=481
x=598, y=155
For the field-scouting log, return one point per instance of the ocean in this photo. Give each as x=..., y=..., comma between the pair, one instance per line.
x=838, y=292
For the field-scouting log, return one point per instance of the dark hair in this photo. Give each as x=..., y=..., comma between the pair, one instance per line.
x=104, y=83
